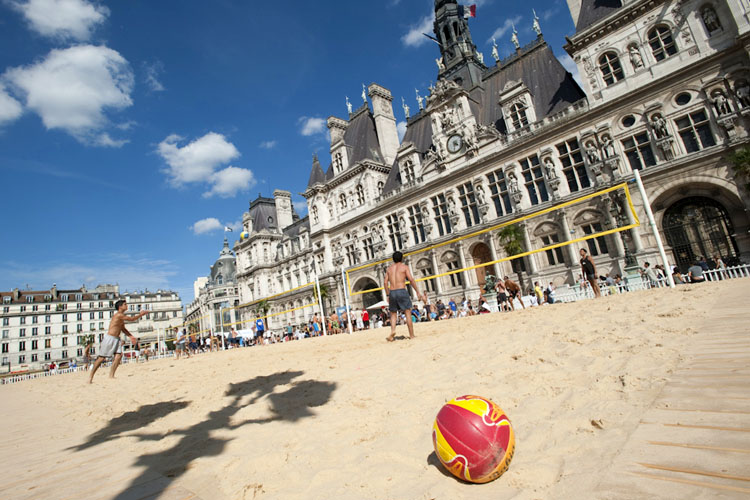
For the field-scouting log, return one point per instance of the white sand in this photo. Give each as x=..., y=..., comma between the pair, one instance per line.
x=351, y=416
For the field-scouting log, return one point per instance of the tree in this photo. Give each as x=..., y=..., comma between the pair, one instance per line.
x=324, y=294
x=262, y=307
x=511, y=240
x=740, y=160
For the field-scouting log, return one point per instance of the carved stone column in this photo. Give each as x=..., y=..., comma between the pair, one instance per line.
x=493, y=252
x=459, y=249
x=562, y=218
x=436, y=270
x=527, y=245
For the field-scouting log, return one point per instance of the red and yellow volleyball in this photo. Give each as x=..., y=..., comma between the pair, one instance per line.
x=473, y=439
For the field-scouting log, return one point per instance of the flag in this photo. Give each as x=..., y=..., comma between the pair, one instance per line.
x=467, y=11
x=227, y=229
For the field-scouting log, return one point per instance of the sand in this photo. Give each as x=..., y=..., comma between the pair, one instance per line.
x=351, y=416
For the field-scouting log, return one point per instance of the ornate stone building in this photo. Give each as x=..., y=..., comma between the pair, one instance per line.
x=666, y=91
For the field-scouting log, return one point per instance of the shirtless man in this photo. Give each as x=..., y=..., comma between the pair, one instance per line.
x=112, y=345
x=398, y=296
x=589, y=272
x=514, y=291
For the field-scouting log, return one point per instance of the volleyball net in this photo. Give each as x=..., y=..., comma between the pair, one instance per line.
x=620, y=223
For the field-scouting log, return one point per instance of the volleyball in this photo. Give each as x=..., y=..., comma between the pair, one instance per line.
x=473, y=439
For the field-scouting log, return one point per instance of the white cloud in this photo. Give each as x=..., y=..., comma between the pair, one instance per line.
x=570, y=66
x=414, y=37
x=207, y=225
x=311, y=126
x=300, y=206
x=268, y=144
x=64, y=19
x=230, y=181
x=401, y=129
x=505, y=28
x=72, y=88
x=198, y=160
x=152, y=76
x=10, y=109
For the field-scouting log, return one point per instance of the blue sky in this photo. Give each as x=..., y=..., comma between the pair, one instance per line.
x=132, y=132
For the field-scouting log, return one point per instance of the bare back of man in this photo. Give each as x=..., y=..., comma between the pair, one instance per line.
x=398, y=297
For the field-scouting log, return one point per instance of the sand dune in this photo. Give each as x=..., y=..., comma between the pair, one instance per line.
x=350, y=416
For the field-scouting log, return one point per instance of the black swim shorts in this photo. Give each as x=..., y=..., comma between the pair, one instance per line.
x=399, y=300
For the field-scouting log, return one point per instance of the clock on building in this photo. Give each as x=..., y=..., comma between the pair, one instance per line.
x=454, y=143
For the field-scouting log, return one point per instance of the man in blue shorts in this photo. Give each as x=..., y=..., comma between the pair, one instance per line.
x=260, y=328
x=398, y=297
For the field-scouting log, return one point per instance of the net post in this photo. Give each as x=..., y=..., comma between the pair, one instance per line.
x=346, y=301
x=320, y=306
x=657, y=235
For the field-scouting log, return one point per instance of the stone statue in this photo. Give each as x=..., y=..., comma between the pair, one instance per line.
x=635, y=57
x=591, y=152
x=495, y=54
x=608, y=146
x=406, y=108
x=479, y=191
x=364, y=94
x=348, y=105
x=721, y=103
x=513, y=180
x=659, y=124
x=710, y=20
x=536, y=27
x=742, y=91
x=440, y=65
x=430, y=156
x=425, y=214
x=420, y=99
x=452, y=207
x=549, y=168
x=514, y=38
x=480, y=56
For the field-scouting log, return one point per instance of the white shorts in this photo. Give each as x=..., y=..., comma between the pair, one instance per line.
x=110, y=346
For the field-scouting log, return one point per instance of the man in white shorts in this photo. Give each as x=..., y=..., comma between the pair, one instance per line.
x=112, y=345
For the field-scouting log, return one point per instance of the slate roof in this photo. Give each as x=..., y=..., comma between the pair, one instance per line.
x=316, y=174
x=551, y=86
x=593, y=11
x=263, y=213
x=293, y=230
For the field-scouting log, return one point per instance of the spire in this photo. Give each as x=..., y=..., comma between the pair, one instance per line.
x=459, y=59
x=316, y=174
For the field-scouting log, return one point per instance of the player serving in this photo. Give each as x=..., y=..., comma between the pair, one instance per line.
x=112, y=345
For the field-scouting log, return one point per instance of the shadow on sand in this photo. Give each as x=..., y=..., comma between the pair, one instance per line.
x=160, y=469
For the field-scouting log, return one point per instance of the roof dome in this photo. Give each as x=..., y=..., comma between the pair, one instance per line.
x=224, y=269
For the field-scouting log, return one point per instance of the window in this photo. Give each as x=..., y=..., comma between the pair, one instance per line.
x=367, y=245
x=65, y=329
x=518, y=116
x=92, y=327
x=442, y=219
x=611, y=69
x=407, y=172
x=23, y=308
x=416, y=224
x=79, y=328
x=47, y=330
x=499, y=193
x=6, y=322
x=360, y=194
x=394, y=231
x=338, y=162
x=22, y=332
x=47, y=318
x=6, y=299
x=342, y=201
x=6, y=310
x=34, y=345
x=101, y=314
x=65, y=341
x=662, y=43
x=315, y=217
x=682, y=99
x=47, y=343
x=554, y=255
x=22, y=320
x=380, y=188
x=79, y=352
x=34, y=320
x=695, y=131
x=534, y=178
x=35, y=308
x=452, y=263
x=572, y=162
x=47, y=356
x=101, y=326
x=638, y=150
x=352, y=255
x=64, y=354
x=34, y=331
x=21, y=346
x=424, y=269
x=469, y=204
x=6, y=347
x=6, y=334
x=34, y=358
x=79, y=316
x=65, y=317
x=598, y=245
x=21, y=359
x=92, y=315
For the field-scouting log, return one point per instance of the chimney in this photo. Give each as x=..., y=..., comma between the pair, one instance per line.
x=385, y=122
x=283, y=201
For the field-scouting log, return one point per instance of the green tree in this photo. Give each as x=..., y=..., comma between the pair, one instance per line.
x=740, y=160
x=511, y=240
x=262, y=307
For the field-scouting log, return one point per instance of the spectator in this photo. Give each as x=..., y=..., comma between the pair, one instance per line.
x=696, y=273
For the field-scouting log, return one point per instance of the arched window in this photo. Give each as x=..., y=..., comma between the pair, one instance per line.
x=360, y=194
x=407, y=172
x=662, y=43
x=219, y=279
x=338, y=162
x=342, y=201
x=518, y=116
x=380, y=188
x=609, y=64
x=452, y=262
